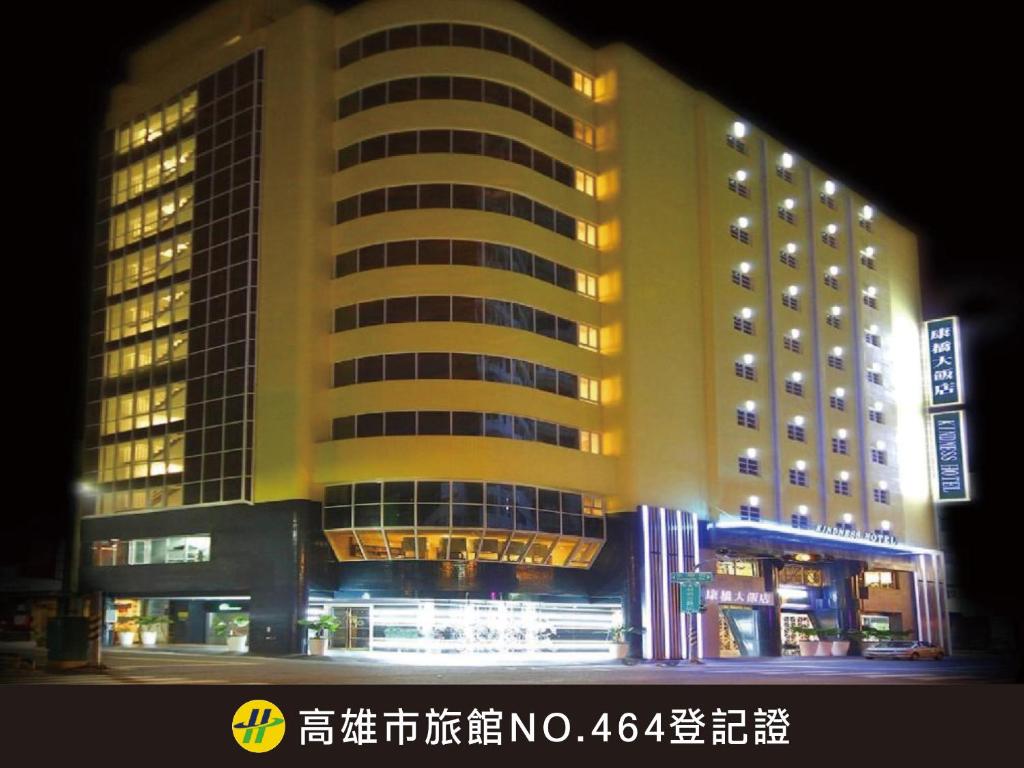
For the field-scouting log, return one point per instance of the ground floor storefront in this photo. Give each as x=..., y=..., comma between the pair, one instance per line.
x=777, y=591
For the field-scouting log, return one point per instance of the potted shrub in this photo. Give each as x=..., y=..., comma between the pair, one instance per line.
x=617, y=637
x=834, y=642
x=148, y=626
x=323, y=627
x=126, y=626
x=236, y=630
x=808, y=647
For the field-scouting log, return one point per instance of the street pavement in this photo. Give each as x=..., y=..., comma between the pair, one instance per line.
x=194, y=667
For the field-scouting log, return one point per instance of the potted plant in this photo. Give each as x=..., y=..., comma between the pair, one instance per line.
x=617, y=636
x=236, y=630
x=834, y=642
x=808, y=647
x=126, y=626
x=148, y=626
x=323, y=627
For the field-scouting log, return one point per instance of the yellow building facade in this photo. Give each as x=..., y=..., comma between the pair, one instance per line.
x=486, y=297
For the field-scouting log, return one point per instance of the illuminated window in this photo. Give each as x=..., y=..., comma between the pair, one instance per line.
x=153, y=310
x=153, y=171
x=881, y=495
x=590, y=442
x=737, y=568
x=784, y=168
x=157, y=455
x=585, y=182
x=158, y=351
x=153, y=263
x=879, y=456
x=841, y=487
x=876, y=414
x=143, y=409
x=874, y=377
x=794, y=387
x=838, y=403
x=586, y=233
x=141, y=498
x=883, y=579
x=593, y=506
x=791, y=342
x=796, y=432
x=172, y=549
x=583, y=132
x=171, y=208
x=785, y=212
x=835, y=361
x=589, y=337
x=841, y=446
x=798, y=477
x=590, y=389
x=867, y=257
x=791, y=301
x=834, y=320
x=870, y=300
x=150, y=128
x=874, y=339
x=828, y=236
x=586, y=284
x=583, y=84
x=831, y=281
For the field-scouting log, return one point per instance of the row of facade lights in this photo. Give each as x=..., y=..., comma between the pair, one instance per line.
x=829, y=188
x=803, y=510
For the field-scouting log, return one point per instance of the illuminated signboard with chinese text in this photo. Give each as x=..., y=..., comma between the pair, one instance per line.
x=944, y=384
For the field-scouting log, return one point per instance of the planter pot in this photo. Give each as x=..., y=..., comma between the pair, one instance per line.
x=149, y=638
x=318, y=646
x=126, y=638
x=824, y=648
x=808, y=647
x=620, y=650
x=238, y=643
x=840, y=647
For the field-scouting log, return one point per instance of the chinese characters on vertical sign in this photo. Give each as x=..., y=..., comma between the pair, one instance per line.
x=950, y=462
x=944, y=387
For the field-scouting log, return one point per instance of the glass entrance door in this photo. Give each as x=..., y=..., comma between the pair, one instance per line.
x=354, y=632
x=741, y=625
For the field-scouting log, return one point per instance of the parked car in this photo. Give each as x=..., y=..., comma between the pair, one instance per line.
x=904, y=649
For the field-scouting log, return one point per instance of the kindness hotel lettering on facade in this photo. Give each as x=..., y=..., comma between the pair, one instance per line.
x=477, y=359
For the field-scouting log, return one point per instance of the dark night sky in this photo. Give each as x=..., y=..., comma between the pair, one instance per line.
x=905, y=111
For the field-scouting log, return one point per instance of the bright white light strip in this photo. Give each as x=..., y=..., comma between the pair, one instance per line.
x=923, y=564
x=433, y=659
x=648, y=640
x=494, y=629
x=917, y=604
x=804, y=533
x=938, y=602
x=787, y=592
x=696, y=567
x=664, y=585
x=684, y=620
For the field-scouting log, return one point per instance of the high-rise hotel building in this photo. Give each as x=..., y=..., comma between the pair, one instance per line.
x=431, y=316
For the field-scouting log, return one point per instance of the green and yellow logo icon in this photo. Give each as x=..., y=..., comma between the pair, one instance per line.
x=258, y=726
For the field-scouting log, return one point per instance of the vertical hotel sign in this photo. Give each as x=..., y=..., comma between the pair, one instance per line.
x=945, y=393
x=950, y=456
x=945, y=387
